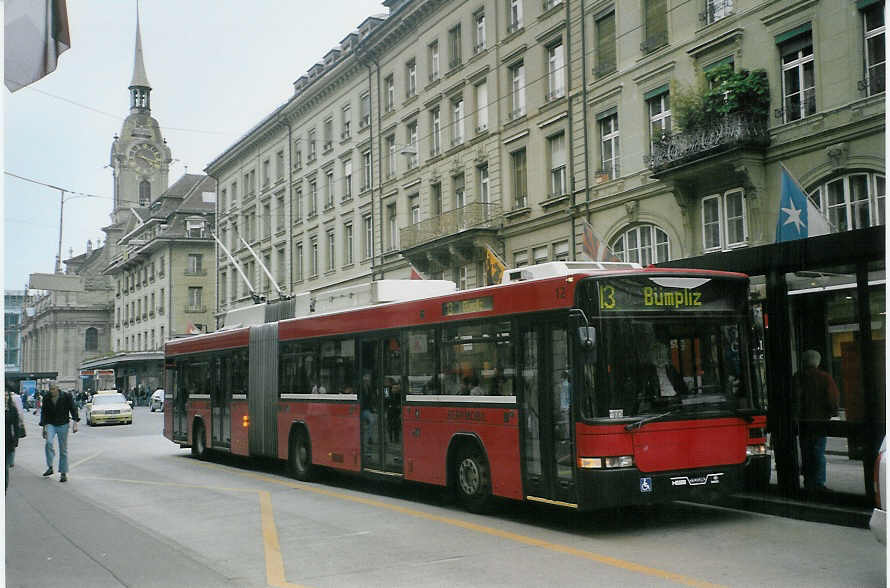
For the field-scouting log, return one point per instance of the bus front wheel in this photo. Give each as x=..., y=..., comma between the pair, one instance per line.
x=473, y=480
x=300, y=457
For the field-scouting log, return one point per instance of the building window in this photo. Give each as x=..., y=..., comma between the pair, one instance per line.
x=223, y=285
x=313, y=198
x=345, y=122
x=328, y=131
x=222, y=200
x=609, y=146
x=853, y=201
x=436, y=137
x=310, y=140
x=91, y=339
x=724, y=221
x=656, y=25
x=329, y=189
x=313, y=257
x=412, y=144
x=520, y=258
x=561, y=251
x=195, y=298
x=520, y=189
x=411, y=79
x=331, y=250
x=433, y=60
x=606, y=58
x=279, y=212
x=392, y=222
x=298, y=154
x=194, y=263
x=460, y=277
x=484, y=195
x=643, y=244
x=436, y=199
x=454, y=47
x=514, y=8
x=298, y=204
x=479, y=32
x=457, y=121
x=539, y=254
x=717, y=9
x=555, y=72
x=798, y=78
x=517, y=90
x=367, y=237
x=875, y=58
x=414, y=208
x=298, y=262
x=365, y=113
x=659, y=117
x=144, y=193
x=282, y=267
x=557, y=144
x=267, y=172
x=279, y=165
x=348, y=245
x=267, y=219
x=481, y=106
x=366, y=170
x=389, y=93
x=347, y=179
x=390, y=156
x=460, y=195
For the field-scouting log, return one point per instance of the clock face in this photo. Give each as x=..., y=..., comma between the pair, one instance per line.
x=145, y=158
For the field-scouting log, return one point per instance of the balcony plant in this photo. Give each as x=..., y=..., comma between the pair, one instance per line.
x=718, y=93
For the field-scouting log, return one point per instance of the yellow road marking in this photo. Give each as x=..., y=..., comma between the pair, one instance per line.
x=271, y=547
x=77, y=463
x=523, y=539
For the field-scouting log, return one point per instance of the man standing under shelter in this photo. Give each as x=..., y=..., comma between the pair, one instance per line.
x=54, y=420
x=815, y=401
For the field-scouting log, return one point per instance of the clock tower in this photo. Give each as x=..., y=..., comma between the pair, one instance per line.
x=140, y=157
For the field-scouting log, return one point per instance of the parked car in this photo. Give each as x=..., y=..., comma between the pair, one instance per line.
x=878, y=522
x=108, y=406
x=157, y=400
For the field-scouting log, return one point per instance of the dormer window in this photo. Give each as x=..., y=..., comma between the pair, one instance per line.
x=194, y=228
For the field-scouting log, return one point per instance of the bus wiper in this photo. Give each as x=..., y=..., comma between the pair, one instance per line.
x=658, y=417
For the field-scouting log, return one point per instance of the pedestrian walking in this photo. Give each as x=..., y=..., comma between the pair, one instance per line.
x=815, y=402
x=12, y=430
x=16, y=400
x=57, y=406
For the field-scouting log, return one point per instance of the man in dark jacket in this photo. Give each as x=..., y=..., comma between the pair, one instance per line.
x=54, y=420
x=816, y=401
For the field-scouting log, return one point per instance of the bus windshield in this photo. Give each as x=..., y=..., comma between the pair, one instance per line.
x=679, y=360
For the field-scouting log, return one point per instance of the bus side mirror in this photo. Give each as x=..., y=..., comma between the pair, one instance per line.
x=587, y=337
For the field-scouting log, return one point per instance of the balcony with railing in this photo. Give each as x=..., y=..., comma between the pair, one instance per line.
x=476, y=215
x=729, y=133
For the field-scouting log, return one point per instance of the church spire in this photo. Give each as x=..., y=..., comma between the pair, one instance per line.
x=140, y=89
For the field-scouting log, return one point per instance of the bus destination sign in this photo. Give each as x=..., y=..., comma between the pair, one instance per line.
x=664, y=295
x=467, y=306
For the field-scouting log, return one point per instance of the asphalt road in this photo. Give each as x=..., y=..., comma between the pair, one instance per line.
x=139, y=511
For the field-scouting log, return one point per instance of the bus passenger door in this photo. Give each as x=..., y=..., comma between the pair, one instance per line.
x=381, y=398
x=545, y=410
x=220, y=402
x=180, y=396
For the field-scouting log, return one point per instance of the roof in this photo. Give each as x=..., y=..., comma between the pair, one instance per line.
x=139, y=77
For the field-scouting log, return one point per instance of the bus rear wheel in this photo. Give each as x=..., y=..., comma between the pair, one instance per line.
x=199, y=445
x=300, y=457
x=473, y=480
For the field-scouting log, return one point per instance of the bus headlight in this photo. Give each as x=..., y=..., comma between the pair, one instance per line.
x=619, y=461
x=755, y=450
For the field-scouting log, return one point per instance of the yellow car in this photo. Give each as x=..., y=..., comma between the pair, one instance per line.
x=108, y=406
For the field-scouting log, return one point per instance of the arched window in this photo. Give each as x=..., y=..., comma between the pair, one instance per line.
x=851, y=201
x=91, y=339
x=144, y=193
x=643, y=244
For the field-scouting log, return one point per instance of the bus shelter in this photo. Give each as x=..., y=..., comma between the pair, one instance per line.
x=825, y=293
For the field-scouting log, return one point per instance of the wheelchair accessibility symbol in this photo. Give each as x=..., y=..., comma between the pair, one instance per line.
x=645, y=484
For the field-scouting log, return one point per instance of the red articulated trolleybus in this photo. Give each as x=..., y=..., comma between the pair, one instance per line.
x=585, y=385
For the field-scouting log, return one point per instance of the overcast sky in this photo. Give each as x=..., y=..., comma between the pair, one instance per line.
x=216, y=67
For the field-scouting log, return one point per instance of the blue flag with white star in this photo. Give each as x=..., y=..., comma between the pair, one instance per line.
x=798, y=217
